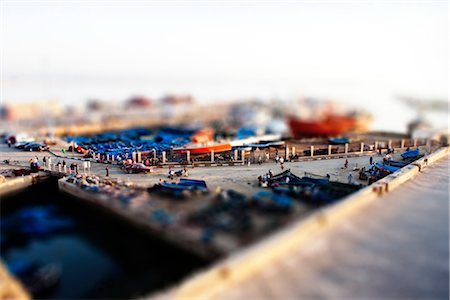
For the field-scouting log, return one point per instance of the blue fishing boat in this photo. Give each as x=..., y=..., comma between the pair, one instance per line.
x=263, y=145
x=410, y=154
x=176, y=189
x=271, y=201
x=387, y=167
x=339, y=141
x=284, y=178
x=332, y=192
x=397, y=164
x=193, y=183
x=316, y=181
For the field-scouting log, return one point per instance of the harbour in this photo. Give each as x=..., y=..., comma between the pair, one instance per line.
x=224, y=151
x=173, y=221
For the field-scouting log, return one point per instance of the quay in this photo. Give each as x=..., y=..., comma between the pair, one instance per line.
x=241, y=257
x=395, y=246
x=17, y=184
x=141, y=217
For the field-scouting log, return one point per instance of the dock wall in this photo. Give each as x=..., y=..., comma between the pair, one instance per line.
x=249, y=261
x=103, y=201
x=19, y=183
x=348, y=153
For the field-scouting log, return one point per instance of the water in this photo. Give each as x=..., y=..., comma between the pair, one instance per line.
x=101, y=256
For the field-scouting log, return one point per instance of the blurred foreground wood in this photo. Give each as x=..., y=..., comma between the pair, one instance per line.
x=10, y=288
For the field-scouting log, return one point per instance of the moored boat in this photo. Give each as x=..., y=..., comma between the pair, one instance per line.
x=339, y=141
x=410, y=154
x=330, y=125
x=176, y=189
x=203, y=148
x=388, y=168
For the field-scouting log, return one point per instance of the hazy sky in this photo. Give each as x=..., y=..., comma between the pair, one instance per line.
x=362, y=53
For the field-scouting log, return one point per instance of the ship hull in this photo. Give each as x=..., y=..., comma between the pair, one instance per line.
x=328, y=127
x=204, y=149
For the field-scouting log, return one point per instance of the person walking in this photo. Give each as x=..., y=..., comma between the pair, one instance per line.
x=9, y=143
x=346, y=164
x=44, y=161
x=350, y=178
x=370, y=160
x=107, y=171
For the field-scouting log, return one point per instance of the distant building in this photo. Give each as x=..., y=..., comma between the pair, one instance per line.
x=27, y=111
x=94, y=105
x=138, y=102
x=177, y=99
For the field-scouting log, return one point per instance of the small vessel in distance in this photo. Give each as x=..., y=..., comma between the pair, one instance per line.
x=331, y=125
x=325, y=120
x=339, y=141
x=202, y=142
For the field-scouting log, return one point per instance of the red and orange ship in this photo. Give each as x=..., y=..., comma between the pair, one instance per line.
x=203, y=142
x=328, y=126
x=203, y=148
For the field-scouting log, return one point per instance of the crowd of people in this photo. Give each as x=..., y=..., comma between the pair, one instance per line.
x=264, y=179
x=47, y=162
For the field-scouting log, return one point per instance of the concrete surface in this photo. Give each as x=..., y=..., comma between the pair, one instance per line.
x=395, y=248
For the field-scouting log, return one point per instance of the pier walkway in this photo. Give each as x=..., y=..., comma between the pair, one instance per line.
x=397, y=247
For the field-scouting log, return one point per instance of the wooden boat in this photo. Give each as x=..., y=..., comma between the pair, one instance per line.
x=203, y=148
